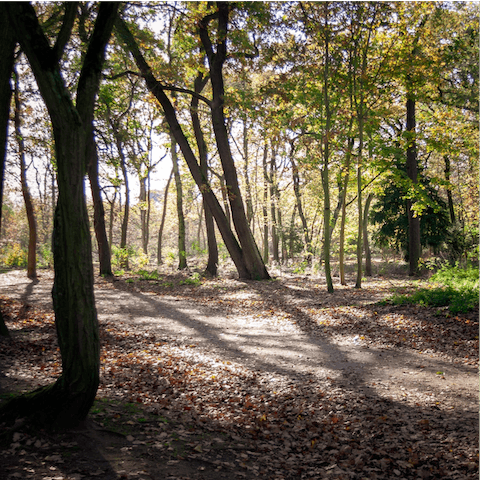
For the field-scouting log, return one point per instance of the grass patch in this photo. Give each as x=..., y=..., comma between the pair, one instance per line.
x=453, y=287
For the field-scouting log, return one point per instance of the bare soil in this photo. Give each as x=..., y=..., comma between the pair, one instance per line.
x=221, y=378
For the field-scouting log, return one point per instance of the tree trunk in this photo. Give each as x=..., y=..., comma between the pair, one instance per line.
x=212, y=263
x=162, y=222
x=298, y=197
x=326, y=158
x=156, y=88
x=182, y=247
x=104, y=257
x=341, y=258
x=412, y=172
x=446, y=158
x=366, y=243
x=7, y=49
x=66, y=403
x=126, y=207
x=264, y=207
x=27, y=197
x=251, y=254
x=358, y=283
x=273, y=206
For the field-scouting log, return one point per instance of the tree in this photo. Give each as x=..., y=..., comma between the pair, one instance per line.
x=7, y=49
x=66, y=402
x=27, y=197
x=242, y=257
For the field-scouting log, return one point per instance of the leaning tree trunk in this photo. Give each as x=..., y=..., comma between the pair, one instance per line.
x=157, y=90
x=66, y=403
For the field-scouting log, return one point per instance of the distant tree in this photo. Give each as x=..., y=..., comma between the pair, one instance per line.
x=390, y=212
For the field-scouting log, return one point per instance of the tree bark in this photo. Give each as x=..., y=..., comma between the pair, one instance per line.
x=27, y=197
x=66, y=403
x=265, y=203
x=7, y=49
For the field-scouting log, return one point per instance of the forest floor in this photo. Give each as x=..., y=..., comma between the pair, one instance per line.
x=222, y=378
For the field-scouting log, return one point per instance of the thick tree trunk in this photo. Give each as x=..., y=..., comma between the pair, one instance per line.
x=414, y=248
x=67, y=402
x=27, y=197
x=182, y=247
x=162, y=222
x=7, y=49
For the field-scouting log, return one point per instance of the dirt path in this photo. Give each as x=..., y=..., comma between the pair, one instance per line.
x=291, y=331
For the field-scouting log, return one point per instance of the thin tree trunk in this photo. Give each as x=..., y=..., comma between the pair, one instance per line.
x=366, y=243
x=264, y=206
x=212, y=262
x=182, y=248
x=162, y=222
x=273, y=206
x=446, y=158
x=341, y=258
x=298, y=197
x=27, y=197
x=326, y=153
x=358, y=283
x=412, y=172
x=99, y=227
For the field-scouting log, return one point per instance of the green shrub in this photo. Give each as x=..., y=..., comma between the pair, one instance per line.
x=453, y=287
x=128, y=257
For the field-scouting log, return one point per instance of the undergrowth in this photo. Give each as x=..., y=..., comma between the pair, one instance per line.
x=454, y=287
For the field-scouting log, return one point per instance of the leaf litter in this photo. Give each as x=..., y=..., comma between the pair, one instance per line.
x=174, y=406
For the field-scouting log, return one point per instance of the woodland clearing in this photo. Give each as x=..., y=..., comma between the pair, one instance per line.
x=222, y=378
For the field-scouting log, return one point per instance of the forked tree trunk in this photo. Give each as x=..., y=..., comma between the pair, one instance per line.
x=66, y=402
x=157, y=90
x=216, y=59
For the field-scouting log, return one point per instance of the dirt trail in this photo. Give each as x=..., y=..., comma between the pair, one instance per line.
x=275, y=344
